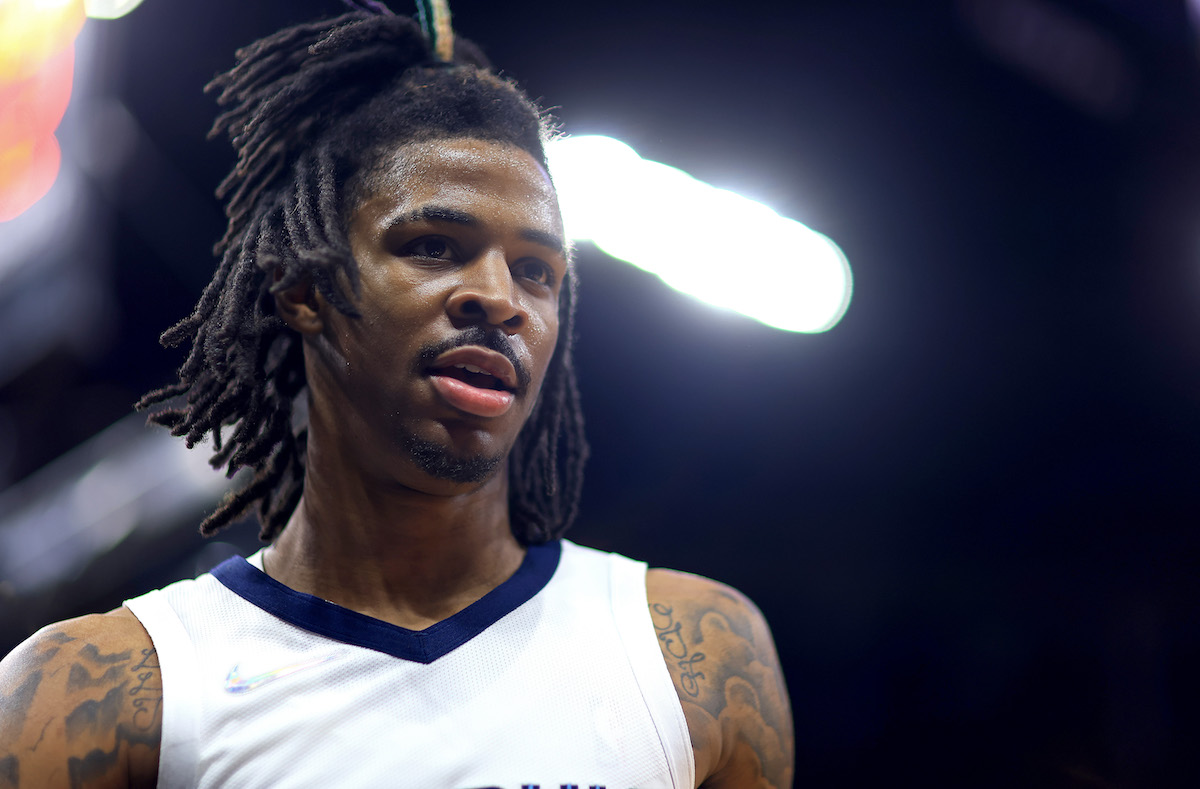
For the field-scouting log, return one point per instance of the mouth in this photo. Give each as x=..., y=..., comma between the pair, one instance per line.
x=475, y=380
x=472, y=375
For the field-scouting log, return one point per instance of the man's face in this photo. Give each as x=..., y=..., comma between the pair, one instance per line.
x=460, y=250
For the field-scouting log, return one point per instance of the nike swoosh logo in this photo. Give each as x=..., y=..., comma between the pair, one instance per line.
x=236, y=683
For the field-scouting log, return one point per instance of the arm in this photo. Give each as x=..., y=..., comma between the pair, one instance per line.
x=81, y=706
x=720, y=654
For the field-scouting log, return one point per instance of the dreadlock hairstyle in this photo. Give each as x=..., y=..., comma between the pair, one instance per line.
x=310, y=111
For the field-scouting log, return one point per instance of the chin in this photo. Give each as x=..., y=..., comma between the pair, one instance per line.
x=440, y=462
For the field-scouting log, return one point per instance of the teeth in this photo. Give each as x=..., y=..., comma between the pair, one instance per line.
x=472, y=368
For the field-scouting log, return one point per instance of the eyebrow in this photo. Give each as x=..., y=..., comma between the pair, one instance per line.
x=437, y=213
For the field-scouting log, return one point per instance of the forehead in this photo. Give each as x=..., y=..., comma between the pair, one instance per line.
x=462, y=173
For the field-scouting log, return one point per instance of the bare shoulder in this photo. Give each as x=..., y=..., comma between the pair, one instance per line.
x=81, y=705
x=721, y=656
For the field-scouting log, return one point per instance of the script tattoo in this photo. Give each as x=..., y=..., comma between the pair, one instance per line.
x=673, y=644
x=148, y=692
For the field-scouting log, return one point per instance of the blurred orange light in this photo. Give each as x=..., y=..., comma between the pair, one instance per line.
x=37, y=61
x=27, y=171
x=34, y=106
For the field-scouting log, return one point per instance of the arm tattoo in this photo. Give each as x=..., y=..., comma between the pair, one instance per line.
x=723, y=663
x=101, y=718
x=14, y=709
x=41, y=736
x=96, y=717
x=674, y=646
x=148, y=693
x=113, y=702
x=93, y=654
x=80, y=678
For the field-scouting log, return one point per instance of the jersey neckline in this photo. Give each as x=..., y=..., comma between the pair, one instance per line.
x=421, y=646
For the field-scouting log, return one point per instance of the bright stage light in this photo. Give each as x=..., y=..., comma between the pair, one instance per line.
x=110, y=9
x=716, y=245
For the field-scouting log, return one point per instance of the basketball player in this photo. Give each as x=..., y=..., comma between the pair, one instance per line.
x=387, y=345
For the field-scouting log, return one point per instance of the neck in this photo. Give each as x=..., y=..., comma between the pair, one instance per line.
x=401, y=555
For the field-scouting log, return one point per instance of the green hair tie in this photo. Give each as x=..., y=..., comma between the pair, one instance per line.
x=434, y=18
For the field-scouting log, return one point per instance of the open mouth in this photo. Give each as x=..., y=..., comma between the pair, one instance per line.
x=475, y=381
x=472, y=376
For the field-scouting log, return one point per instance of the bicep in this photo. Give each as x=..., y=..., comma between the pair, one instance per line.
x=80, y=704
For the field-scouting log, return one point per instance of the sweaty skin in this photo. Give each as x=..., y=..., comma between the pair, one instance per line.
x=454, y=239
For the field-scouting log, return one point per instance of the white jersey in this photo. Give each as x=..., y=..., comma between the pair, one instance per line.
x=553, y=679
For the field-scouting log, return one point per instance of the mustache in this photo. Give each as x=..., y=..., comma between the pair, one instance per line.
x=492, y=339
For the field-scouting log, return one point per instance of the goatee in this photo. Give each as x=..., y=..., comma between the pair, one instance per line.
x=439, y=462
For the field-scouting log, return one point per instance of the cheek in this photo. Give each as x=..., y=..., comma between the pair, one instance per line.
x=542, y=337
x=396, y=305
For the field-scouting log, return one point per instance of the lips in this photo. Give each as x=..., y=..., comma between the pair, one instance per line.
x=475, y=380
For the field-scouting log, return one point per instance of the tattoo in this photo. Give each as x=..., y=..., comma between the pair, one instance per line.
x=720, y=655
x=93, y=654
x=34, y=747
x=146, y=705
x=92, y=766
x=673, y=644
x=102, y=706
x=46, y=656
x=15, y=707
x=93, y=717
x=81, y=679
x=688, y=676
x=98, y=762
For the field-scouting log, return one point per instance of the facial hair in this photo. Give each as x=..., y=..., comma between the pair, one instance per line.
x=439, y=462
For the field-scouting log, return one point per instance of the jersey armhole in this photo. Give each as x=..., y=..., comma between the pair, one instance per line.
x=181, y=706
x=632, y=614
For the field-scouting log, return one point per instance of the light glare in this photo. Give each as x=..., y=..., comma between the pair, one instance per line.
x=713, y=244
x=110, y=9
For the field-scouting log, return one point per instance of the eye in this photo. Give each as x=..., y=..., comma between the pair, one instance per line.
x=535, y=270
x=434, y=247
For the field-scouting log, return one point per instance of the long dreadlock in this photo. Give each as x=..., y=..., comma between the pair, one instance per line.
x=310, y=111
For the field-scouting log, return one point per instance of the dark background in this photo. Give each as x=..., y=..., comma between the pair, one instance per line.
x=968, y=509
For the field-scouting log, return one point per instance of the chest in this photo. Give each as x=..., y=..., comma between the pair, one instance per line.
x=567, y=689
x=530, y=702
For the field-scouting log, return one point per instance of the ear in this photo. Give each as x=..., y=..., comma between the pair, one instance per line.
x=300, y=306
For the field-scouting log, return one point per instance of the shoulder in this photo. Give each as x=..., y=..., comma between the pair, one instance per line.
x=81, y=703
x=721, y=657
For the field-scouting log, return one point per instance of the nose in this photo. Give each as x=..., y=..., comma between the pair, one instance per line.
x=488, y=294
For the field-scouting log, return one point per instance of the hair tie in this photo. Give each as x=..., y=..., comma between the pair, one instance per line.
x=434, y=17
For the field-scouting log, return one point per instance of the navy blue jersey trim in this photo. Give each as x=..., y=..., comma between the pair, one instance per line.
x=421, y=646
